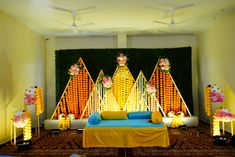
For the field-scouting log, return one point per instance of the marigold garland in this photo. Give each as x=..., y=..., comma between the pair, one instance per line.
x=167, y=93
x=122, y=80
x=27, y=132
x=75, y=98
x=207, y=101
x=39, y=102
x=76, y=94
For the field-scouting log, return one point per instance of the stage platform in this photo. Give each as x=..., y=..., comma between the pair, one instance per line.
x=50, y=124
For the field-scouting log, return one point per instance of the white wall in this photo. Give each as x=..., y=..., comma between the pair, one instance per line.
x=85, y=42
x=22, y=65
x=216, y=53
x=116, y=42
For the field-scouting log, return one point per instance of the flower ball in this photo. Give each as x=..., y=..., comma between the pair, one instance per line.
x=171, y=114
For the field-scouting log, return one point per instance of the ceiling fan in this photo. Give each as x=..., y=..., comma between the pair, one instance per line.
x=171, y=11
x=74, y=13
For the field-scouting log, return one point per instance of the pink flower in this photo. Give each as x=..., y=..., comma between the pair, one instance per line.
x=216, y=95
x=74, y=70
x=107, y=82
x=224, y=114
x=121, y=59
x=29, y=96
x=150, y=88
x=19, y=119
x=29, y=99
x=164, y=64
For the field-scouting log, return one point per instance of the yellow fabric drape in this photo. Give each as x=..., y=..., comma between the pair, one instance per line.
x=125, y=137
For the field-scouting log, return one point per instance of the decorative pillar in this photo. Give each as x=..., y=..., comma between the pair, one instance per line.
x=122, y=40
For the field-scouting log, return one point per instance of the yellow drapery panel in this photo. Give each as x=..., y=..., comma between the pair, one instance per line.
x=125, y=137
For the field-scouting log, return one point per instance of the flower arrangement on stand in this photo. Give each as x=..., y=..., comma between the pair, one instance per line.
x=224, y=114
x=214, y=99
x=121, y=59
x=34, y=96
x=212, y=96
x=164, y=65
x=19, y=120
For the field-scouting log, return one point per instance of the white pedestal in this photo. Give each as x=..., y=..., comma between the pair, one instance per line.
x=50, y=124
x=188, y=121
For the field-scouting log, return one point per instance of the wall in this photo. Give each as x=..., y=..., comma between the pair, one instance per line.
x=118, y=41
x=216, y=53
x=22, y=65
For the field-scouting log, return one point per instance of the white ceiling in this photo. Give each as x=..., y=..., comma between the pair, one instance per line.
x=111, y=17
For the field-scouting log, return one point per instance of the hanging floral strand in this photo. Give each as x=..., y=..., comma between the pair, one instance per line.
x=207, y=101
